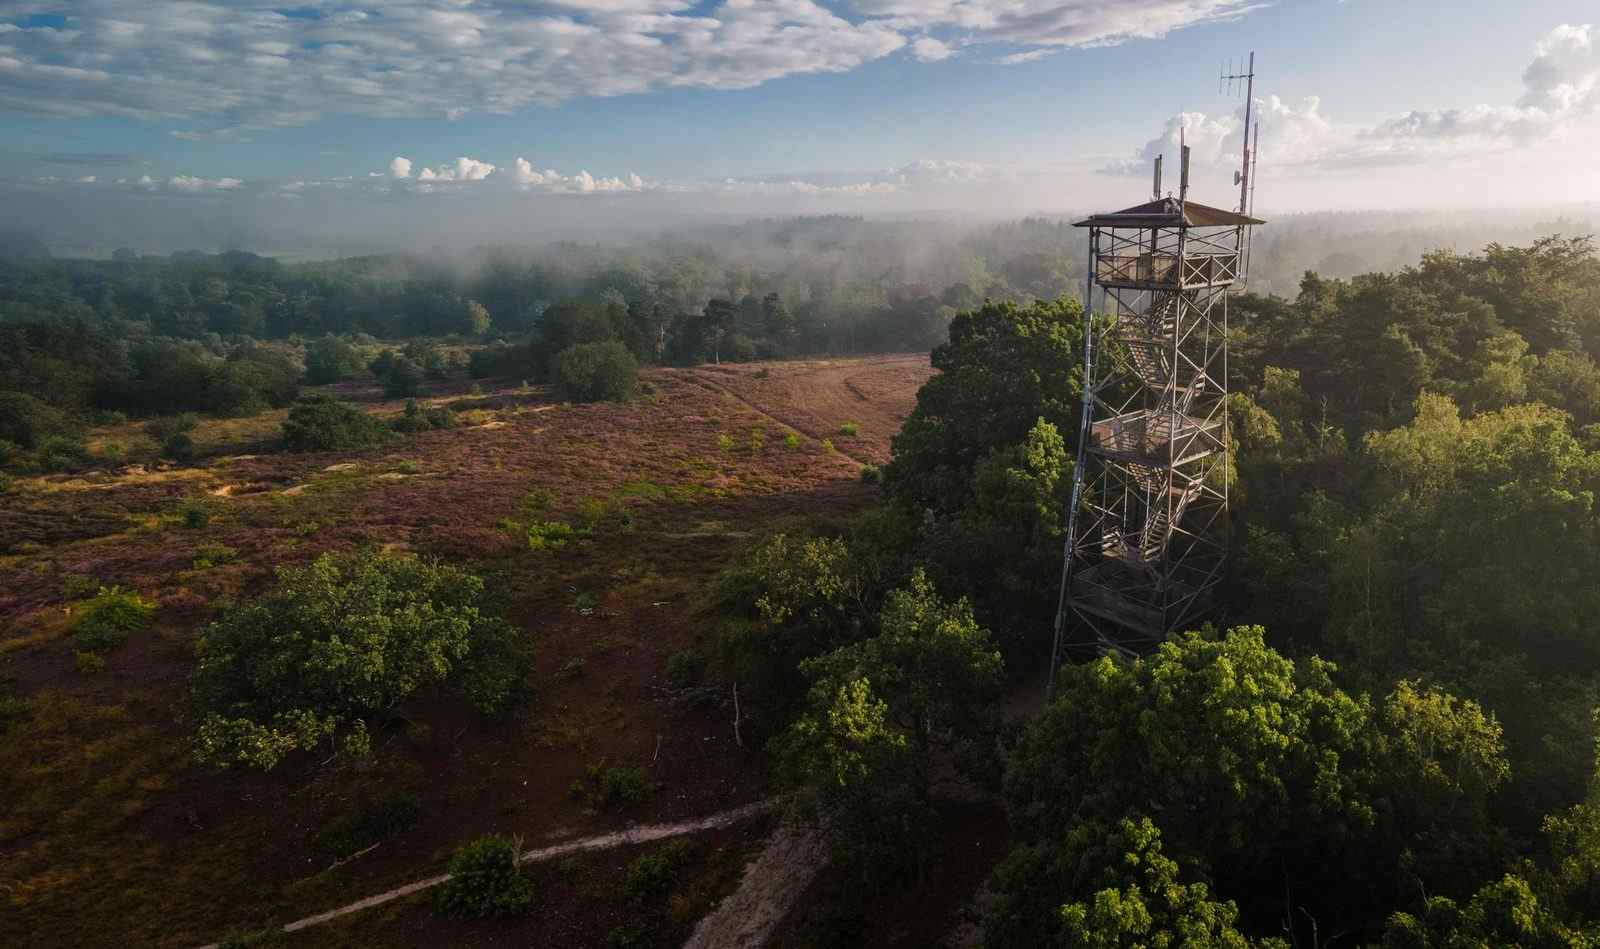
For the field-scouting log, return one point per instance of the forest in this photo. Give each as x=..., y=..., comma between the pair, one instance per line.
x=1386, y=737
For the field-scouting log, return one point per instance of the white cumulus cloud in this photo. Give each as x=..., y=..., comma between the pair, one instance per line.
x=400, y=167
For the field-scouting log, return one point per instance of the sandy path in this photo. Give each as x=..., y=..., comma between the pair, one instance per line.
x=632, y=835
x=772, y=884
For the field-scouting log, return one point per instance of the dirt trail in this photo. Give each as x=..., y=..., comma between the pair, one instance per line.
x=632, y=835
x=772, y=884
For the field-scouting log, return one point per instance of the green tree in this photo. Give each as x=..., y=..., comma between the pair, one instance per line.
x=1004, y=368
x=338, y=641
x=596, y=372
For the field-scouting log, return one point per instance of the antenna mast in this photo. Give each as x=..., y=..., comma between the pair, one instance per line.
x=1242, y=179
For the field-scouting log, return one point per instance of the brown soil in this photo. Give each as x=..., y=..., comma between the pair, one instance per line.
x=110, y=837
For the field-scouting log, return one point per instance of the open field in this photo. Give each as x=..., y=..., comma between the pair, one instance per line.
x=110, y=836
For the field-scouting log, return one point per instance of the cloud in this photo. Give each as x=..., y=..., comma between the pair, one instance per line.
x=227, y=67
x=529, y=178
x=1017, y=59
x=465, y=169
x=192, y=184
x=1561, y=92
x=400, y=167
x=930, y=50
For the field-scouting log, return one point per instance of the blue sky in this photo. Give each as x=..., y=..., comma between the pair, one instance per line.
x=891, y=103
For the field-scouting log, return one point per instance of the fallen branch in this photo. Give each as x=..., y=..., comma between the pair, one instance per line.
x=736, y=737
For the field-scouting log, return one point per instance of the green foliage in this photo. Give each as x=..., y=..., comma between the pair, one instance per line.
x=207, y=556
x=321, y=423
x=337, y=641
x=418, y=419
x=166, y=428
x=651, y=877
x=791, y=441
x=366, y=822
x=849, y=429
x=195, y=514
x=106, y=620
x=7, y=482
x=88, y=663
x=1303, y=784
x=484, y=881
x=871, y=474
x=686, y=669
x=1004, y=368
x=330, y=358
x=877, y=710
x=1140, y=900
x=725, y=443
x=615, y=787
x=596, y=372
x=26, y=421
x=552, y=535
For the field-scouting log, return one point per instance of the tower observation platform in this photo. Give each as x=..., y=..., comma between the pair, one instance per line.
x=1147, y=526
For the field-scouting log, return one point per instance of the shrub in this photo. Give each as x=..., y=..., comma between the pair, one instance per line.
x=849, y=429
x=418, y=419
x=596, y=372
x=113, y=453
x=26, y=421
x=551, y=535
x=871, y=474
x=163, y=429
x=76, y=586
x=88, y=663
x=341, y=639
x=210, y=555
x=827, y=445
x=651, y=876
x=13, y=709
x=619, y=786
x=367, y=822
x=758, y=440
x=60, y=453
x=484, y=881
x=179, y=448
x=6, y=483
x=320, y=423
x=330, y=359
x=106, y=620
x=686, y=669
x=196, y=514
x=725, y=443
x=791, y=441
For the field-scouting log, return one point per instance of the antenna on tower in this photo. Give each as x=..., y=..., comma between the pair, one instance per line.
x=1183, y=167
x=1155, y=188
x=1242, y=176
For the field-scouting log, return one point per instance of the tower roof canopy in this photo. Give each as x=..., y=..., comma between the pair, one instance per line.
x=1168, y=212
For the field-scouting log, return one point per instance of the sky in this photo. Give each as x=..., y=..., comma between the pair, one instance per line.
x=407, y=113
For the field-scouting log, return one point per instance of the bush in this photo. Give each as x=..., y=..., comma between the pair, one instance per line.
x=106, y=620
x=827, y=445
x=367, y=822
x=88, y=663
x=849, y=429
x=196, y=515
x=319, y=423
x=26, y=421
x=330, y=359
x=613, y=787
x=210, y=555
x=596, y=372
x=341, y=639
x=551, y=535
x=6, y=482
x=791, y=441
x=651, y=876
x=163, y=429
x=418, y=419
x=871, y=474
x=402, y=379
x=179, y=448
x=484, y=881
x=725, y=443
x=686, y=669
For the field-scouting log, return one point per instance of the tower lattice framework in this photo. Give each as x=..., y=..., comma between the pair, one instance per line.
x=1147, y=528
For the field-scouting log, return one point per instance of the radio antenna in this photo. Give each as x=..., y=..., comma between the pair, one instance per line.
x=1242, y=179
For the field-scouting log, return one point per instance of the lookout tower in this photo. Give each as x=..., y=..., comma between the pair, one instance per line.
x=1147, y=527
